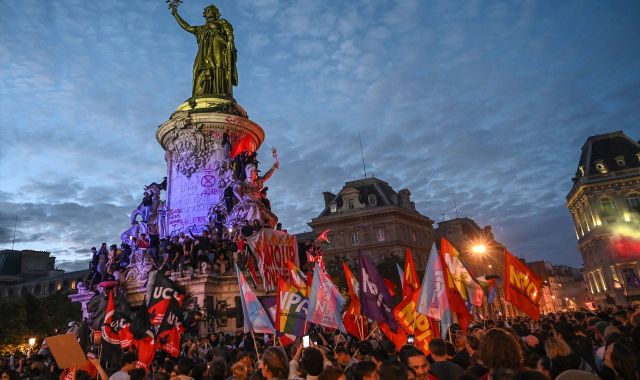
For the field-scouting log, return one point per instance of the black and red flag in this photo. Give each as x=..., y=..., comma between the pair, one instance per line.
x=160, y=292
x=170, y=330
x=143, y=337
x=116, y=328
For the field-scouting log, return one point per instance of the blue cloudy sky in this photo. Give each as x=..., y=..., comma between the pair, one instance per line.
x=490, y=100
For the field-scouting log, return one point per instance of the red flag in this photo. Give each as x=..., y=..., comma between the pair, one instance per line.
x=399, y=338
x=521, y=286
x=354, y=322
x=390, y=286
x=411, y=322
x=146, y=348
x=410, y=283
x=323, y=236
x=170, y=330
x=456, y=303
x=116, y=329
x=244, y=145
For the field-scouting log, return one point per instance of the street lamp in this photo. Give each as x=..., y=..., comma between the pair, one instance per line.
x=32, y=342
x=479, y=249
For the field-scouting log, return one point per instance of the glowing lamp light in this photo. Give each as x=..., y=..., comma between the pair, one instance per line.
x=32, y=342
x=230, y=229
x=479, y=249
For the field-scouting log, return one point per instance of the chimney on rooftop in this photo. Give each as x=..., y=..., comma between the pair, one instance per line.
x=405, y=198
x=328, y=197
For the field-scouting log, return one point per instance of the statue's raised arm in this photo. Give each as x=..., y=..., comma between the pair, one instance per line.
x=185, y=25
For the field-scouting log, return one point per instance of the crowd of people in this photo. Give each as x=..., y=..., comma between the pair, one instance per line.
x=187, y=254
x=577, y=345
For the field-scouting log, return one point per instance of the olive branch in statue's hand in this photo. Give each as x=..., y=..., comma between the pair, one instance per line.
x=173, y=4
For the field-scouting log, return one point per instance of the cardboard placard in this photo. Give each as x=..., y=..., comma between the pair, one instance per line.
x=66, y=350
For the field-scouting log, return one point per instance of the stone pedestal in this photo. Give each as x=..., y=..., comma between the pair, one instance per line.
x=216, y=294
x=197, y=170
x=83, y=297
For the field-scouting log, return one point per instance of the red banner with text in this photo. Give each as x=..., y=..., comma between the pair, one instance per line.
x=411, y=322
x=272, y=249
x=521, y=286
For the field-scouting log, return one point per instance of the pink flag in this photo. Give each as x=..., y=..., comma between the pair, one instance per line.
x=325, y=302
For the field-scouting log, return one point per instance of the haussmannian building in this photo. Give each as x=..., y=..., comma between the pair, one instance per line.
x=604, y=202
x=368, y=215
x=33, y=272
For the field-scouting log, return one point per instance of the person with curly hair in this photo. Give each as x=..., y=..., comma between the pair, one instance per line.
x=500, y=352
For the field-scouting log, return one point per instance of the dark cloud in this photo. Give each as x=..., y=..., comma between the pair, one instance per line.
x=489, y=102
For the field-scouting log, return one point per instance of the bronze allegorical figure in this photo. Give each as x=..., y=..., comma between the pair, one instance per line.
x=214, y=68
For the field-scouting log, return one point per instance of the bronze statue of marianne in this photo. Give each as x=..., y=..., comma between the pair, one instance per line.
x=214, y=69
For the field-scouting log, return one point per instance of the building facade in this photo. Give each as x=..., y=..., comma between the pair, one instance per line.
x=33, y=272
x=604, y=202
x=563, y=287
x=368, y=215
x=467, y=237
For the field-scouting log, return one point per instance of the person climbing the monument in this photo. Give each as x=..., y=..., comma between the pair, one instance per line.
x=263, y=198
x=226, y=144
x=147, y=202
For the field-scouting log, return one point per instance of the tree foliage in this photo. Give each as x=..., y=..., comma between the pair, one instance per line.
x=28, y=316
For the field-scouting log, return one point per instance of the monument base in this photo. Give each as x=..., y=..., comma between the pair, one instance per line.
x=217, y=295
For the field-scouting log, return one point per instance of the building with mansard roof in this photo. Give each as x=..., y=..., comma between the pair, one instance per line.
x=604, y=202
x=369, y=215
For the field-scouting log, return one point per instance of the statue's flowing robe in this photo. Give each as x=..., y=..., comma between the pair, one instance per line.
x=214, y=71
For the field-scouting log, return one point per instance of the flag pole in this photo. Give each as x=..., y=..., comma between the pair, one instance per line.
x=255, y=345
x=368, y=336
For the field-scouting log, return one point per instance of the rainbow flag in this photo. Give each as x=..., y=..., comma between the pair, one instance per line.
x=291, y=309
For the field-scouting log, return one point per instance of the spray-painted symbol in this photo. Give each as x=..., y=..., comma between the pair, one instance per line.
x=208, y=181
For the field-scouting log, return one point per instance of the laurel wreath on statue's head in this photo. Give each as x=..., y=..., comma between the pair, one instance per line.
x=173, y=4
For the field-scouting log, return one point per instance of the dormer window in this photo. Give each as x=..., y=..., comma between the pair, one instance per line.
x=351, y=204
x=581, y=170
x=600, y=167
x=334, y=208
x=620, y=160
x=373, y=201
